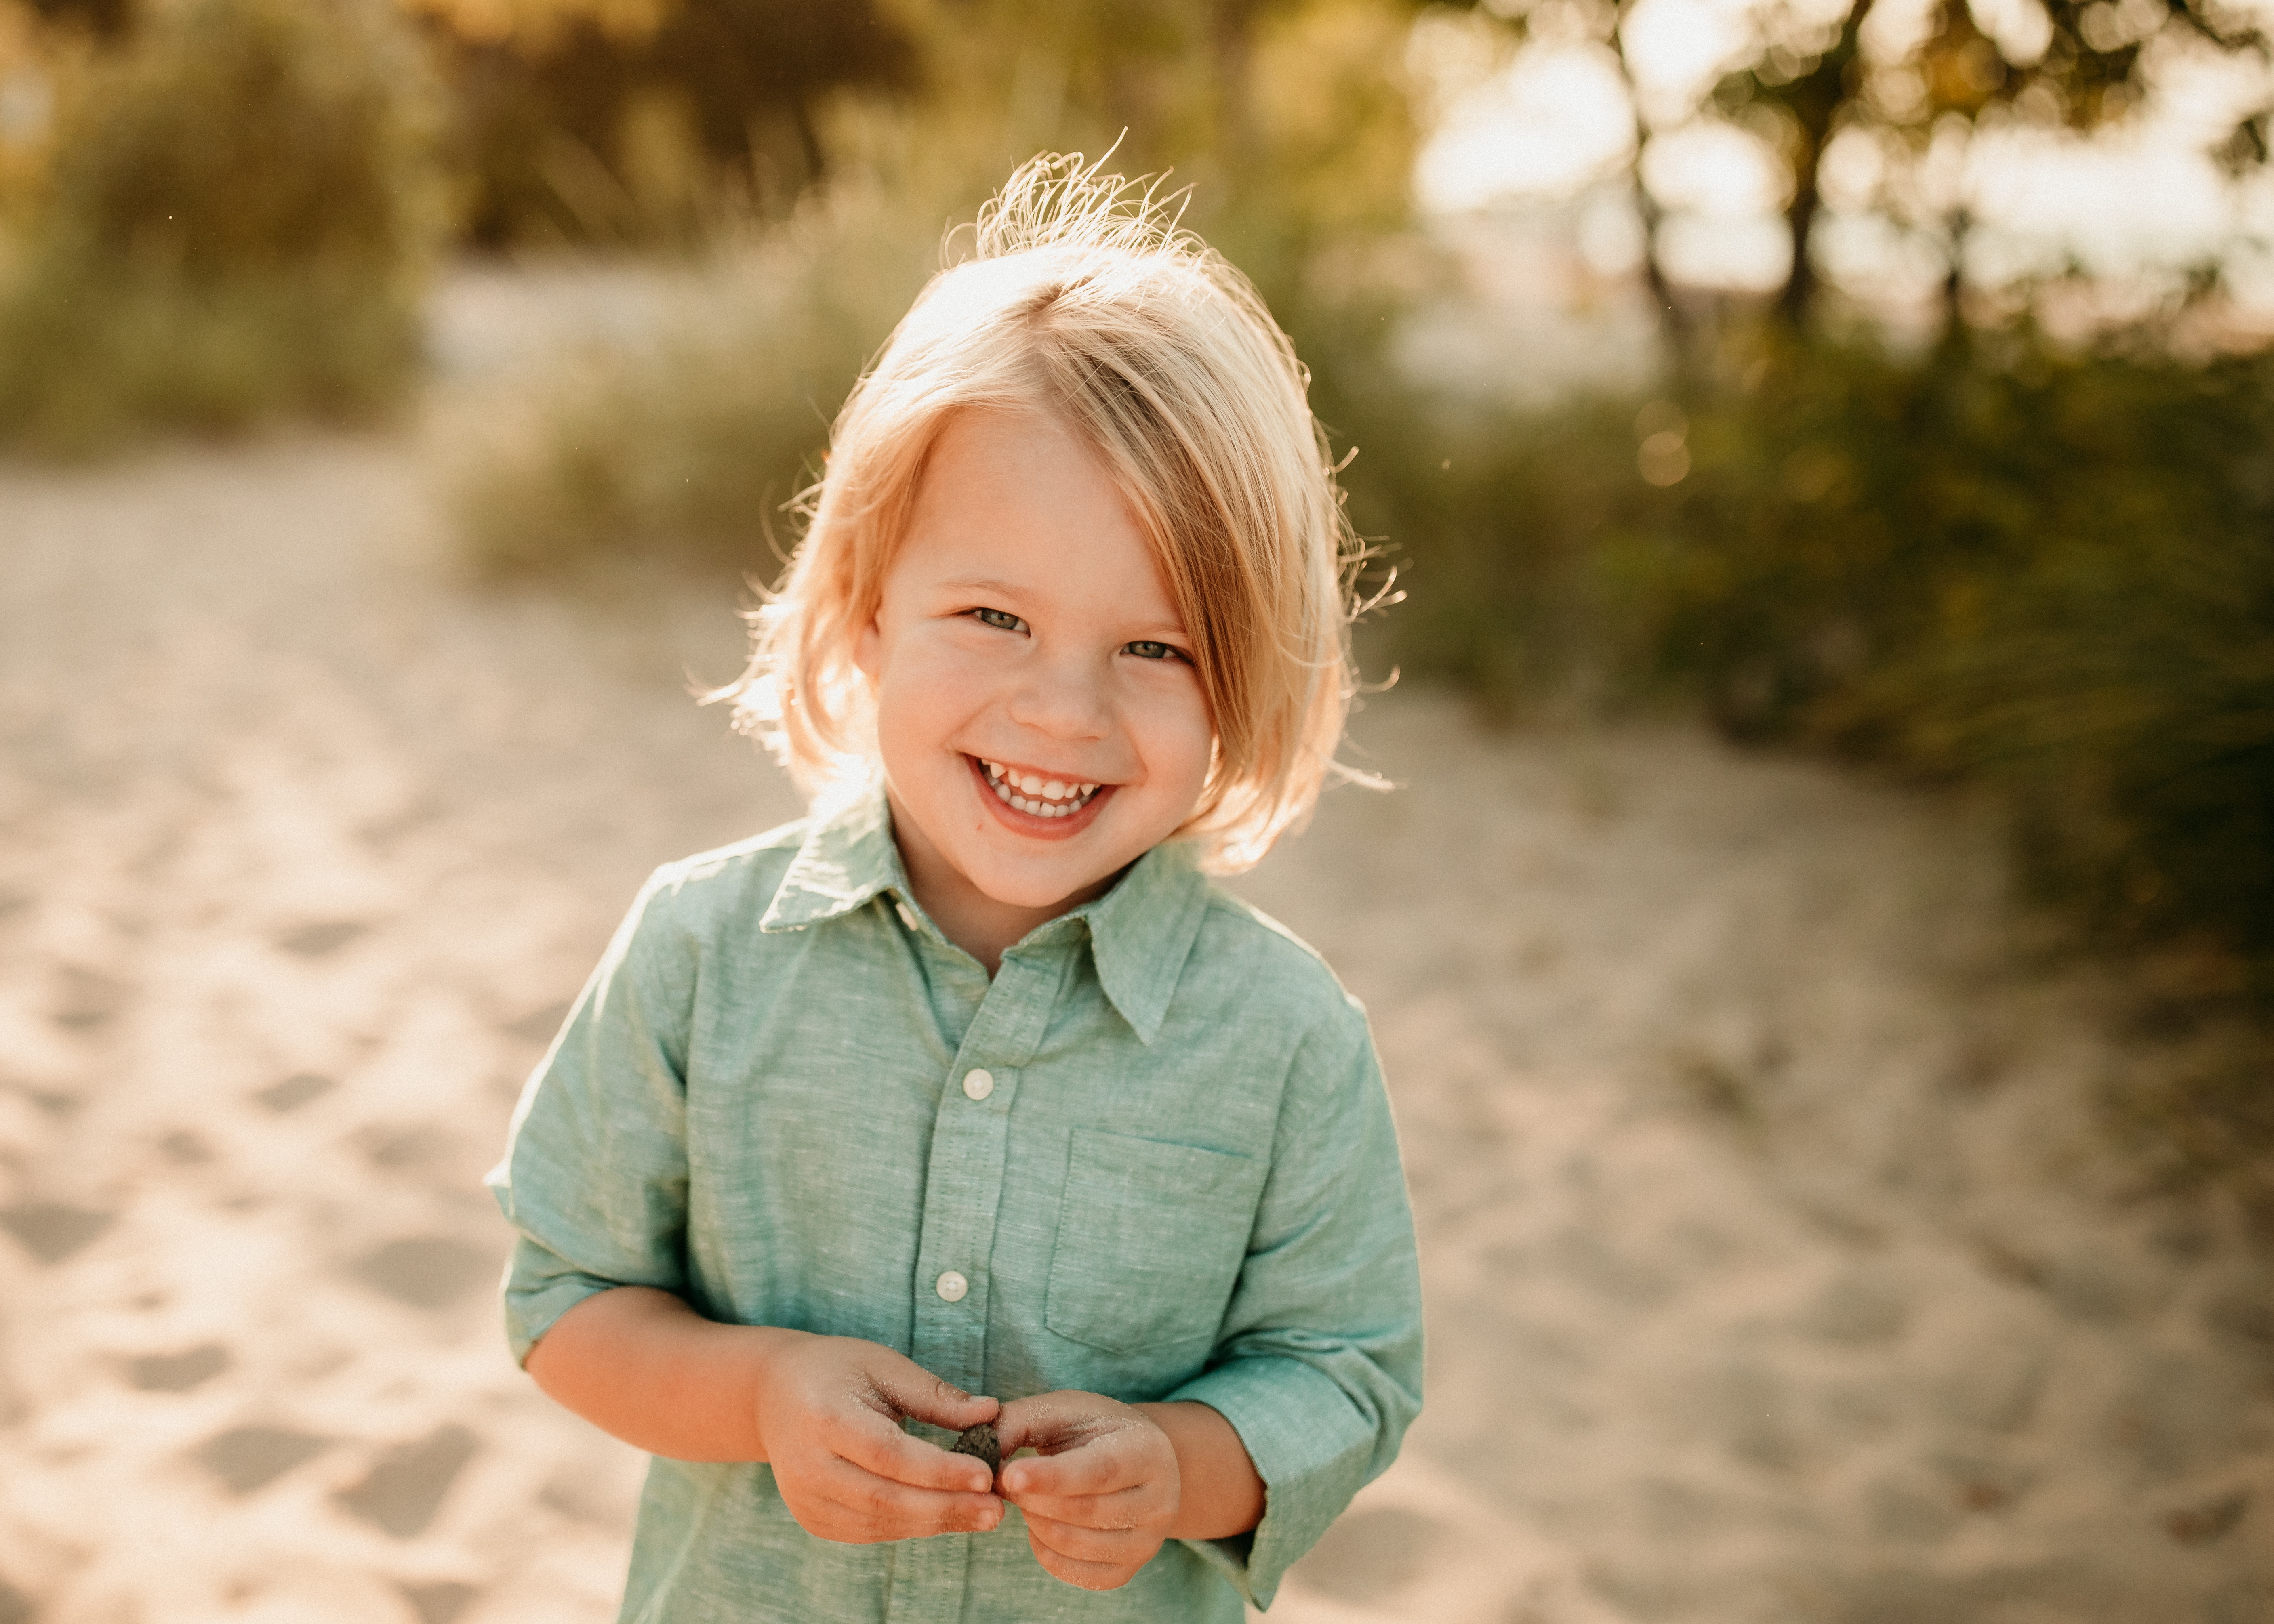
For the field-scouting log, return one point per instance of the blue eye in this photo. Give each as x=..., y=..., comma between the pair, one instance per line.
x=1148, y=648
x=1001, y=619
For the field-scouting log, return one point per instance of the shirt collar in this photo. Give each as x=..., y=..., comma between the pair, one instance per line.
x=848, y=857
x=1141, y=932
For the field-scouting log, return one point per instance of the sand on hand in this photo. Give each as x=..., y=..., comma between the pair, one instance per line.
x=1775, y=1270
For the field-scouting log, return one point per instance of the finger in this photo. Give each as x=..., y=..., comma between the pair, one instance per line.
x=876, y=1445
x=912, y=1390
x=1089, y=1543
x=1125, y=1508
x=1074, y=1570
x=1047, y=1421
x=880, y=1508
x=1095, y=1468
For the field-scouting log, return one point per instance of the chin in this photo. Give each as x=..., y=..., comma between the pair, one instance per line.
x=1032, y=890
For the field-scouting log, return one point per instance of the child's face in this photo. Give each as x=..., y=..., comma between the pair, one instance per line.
x=1025, y=646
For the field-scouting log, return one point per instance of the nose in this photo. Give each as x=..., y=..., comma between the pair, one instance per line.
x=1064, y=698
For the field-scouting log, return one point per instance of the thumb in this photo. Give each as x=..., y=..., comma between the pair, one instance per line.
x=1045, y=1422
x=920, y=1394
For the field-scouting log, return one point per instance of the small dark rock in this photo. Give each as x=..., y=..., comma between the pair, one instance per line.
x=981, y=1444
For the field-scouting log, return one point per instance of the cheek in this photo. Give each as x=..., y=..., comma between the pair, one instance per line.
x=923, y=696
x=1178, y=740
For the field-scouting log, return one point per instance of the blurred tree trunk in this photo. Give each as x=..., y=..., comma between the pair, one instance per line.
x=1814, y=101
x=1674, y=327
x=1955, y=330
x=1799, y=291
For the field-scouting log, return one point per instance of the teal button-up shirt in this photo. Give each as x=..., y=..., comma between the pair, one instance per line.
x=1151, y=1158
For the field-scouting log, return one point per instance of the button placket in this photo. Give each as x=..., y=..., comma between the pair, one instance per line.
x=963, y=1184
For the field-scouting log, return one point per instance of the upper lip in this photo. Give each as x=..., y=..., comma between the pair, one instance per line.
x=1052, y=774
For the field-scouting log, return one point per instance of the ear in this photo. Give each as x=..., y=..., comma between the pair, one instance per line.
x=868, y=648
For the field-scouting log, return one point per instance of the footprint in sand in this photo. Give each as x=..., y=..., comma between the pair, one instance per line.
x=54, y=1230
x=177, y=1372
x=405, y=1487
x=1369, y=1557
x=427, y=1271
x=320, y=938
x=15, y=1606
x=294, y=1092
x=539, y=1025
x=439, y=1603
x=247, y=1458
x=87, y=1000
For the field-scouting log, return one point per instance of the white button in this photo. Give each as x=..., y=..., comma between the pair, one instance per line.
x=978, y=1083
x=908, y=915
x=951, y=1286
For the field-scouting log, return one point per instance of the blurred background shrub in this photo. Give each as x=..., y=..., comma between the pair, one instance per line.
x=235, y=223
x=694, y=439
x=2006, y=562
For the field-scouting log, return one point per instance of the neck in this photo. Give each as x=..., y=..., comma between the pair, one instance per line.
x=981, y=925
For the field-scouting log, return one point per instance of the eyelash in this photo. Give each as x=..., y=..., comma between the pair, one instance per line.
x=1169, y=651
x=1004, y=620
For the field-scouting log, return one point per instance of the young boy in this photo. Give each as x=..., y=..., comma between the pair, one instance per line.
x=972, y=1083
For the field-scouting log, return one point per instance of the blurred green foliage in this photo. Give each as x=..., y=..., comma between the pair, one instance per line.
x=235, y=224
x=2051, y=570
x=694, y=441
x=584, y=121
x=696, y=438
x=2002, y=562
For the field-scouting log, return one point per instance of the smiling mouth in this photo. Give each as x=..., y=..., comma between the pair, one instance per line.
x=1034, y=793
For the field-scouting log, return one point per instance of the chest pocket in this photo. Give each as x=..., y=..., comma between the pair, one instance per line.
x=1150, y=1239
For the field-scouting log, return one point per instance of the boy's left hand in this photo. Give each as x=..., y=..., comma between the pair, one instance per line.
x=1102, y=1492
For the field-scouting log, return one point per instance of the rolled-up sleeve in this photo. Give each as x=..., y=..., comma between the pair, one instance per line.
x=1319, y=1365
x=594, y=1178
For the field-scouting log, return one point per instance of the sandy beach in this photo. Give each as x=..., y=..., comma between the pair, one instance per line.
x=1776, y=1271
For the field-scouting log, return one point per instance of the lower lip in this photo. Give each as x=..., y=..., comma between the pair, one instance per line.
x=1026, y=823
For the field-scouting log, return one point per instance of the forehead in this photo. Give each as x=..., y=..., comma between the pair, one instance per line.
x=1018, y=497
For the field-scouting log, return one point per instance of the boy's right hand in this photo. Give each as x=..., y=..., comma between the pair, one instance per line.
x=828, y=1411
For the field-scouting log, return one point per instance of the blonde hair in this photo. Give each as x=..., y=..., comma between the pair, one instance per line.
x=1085, y=300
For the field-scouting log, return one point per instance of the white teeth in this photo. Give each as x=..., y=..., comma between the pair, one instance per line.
x=1034, y=794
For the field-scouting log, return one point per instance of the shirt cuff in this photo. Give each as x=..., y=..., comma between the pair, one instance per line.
x=540, y=1287
x=1310, y=1446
